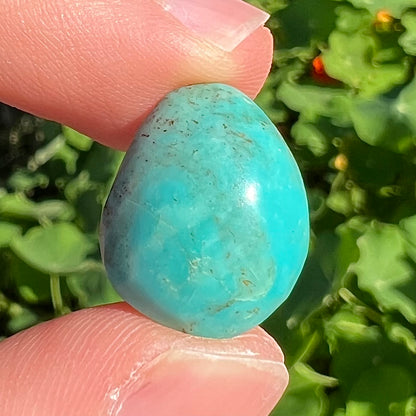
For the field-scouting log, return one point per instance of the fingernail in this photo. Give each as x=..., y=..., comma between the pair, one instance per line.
x=225, y=23
x=187, y=383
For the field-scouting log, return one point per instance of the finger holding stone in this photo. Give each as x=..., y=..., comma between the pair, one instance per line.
x=101, y=66
x=112, y=360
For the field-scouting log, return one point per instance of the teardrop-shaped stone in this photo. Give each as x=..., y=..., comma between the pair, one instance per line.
x=206, y=228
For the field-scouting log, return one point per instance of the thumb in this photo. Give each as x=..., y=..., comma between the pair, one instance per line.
x=111, y=360
x=101, y=66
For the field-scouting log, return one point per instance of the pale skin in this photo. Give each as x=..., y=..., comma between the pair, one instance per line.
x=100, y=67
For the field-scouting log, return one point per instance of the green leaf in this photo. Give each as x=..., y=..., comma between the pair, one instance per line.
x=385, y=271
x=266, y=100
x=79, y=185
x=7, y=232
x=304, y=396
x=336, y=251
x=400, y=334
x=404, y=105
x=24, y=181
x=387, y=122
x=408, y=40
x=56, y=249
x=309, y=134
x=352, y=20
x=308, y=373
x=348, y=326
x=20, y=318
x=379, y=122
x=270, y=6
x=395, y=7
x=18, y=206
x=88, y=198
x=408, y=225
x=382, y=391
x=340, y=201
x=76, y=139
x=354, y=58
x=46, y=153
x=69, y=157
x=356, y=346
x=314, y=101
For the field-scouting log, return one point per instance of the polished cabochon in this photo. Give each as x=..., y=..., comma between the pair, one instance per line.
x=206, y=227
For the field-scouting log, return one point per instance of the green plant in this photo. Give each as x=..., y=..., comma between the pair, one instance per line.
x=52, y=186
x=343, y=92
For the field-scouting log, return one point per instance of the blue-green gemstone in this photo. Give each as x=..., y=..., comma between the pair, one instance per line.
x=206, y=228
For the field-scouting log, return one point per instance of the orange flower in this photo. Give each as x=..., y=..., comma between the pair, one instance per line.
x=319, y=73
x=384, y=16
x=318, y=65
x=341, y=162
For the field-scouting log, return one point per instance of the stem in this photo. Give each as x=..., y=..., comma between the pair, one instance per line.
x=56, y=295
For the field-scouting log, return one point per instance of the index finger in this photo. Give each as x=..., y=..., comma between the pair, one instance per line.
x=100, y=67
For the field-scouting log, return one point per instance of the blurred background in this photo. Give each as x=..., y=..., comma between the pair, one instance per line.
x=343, y=94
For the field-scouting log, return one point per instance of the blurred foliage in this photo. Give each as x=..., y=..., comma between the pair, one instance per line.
x=53, y=183
x=343, y=93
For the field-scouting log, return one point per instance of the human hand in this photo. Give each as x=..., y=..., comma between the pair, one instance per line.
x=100, y=67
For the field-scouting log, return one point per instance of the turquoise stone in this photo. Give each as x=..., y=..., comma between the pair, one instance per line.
x=206, y=228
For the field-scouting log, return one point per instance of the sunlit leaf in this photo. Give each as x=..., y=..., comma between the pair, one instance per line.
x=314, y=101
x=20, y=318
x=271, y=6
x=7, y=232
x=353, y=59
x=304, y=396
x=408, y=40
x=394, y=7
x=76, y=139
x=379, y=123
x=400, y=334
x=18, y=206
x=310, y=135
x=352, y=20
x=68, y=156
x=56, y=249
x=340, y=201
x=385, y=271
x=23, y=181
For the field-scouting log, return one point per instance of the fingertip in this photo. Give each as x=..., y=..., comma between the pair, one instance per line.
x=99, y=360
x=206, y=385
x=254, y=61
x=101, y=67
